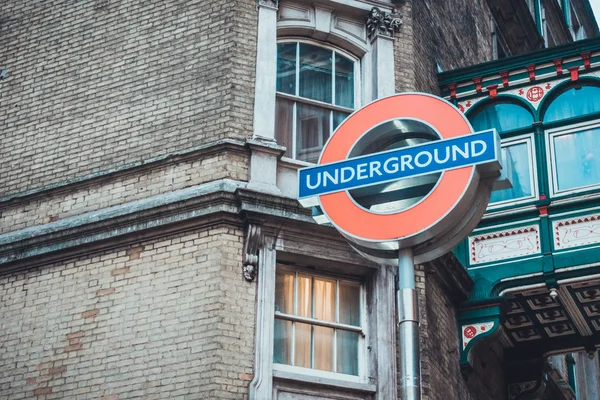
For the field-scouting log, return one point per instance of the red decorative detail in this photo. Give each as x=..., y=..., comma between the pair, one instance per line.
x=470, y=332
x=468, y=103
x=504, y=75
x=493, y=89
x=548, y=85
x=542, y=197
x=535, y=93
x=461, y=108
x=477, y=82
x=452, y=88
x=574, y=73
x=531, y=70
x=482, y=327
x=558, y=63
x=521, y=92
x=543, y=210
x=586, y=59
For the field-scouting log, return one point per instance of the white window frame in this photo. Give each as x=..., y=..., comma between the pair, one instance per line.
x=550, y=157
x=533, y=181
x=362, y=330
x=316, y=103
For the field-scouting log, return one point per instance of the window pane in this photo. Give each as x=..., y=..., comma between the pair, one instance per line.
x=304, y=296
x=284, y=118
x=284, y=292
x=312, y=131
x=315, y=72
x=323, y=348
x=282, y=342
x=302, y=344
x=350, y=303
x=574, y=103
x=576, y=162
x=503, y=117
x=344, y=81
x=324, y=299
x=338, y=118
x=347, y=352
x=515, y=161
x=286, y=68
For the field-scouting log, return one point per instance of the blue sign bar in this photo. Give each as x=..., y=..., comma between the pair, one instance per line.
x=392, y=165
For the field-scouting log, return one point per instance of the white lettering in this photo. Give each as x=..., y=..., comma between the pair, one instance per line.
x=436, y=156
x=405, y=161
x=386, y=165
x=346, y=178
x=317, y=184
x=374, y=168
x=333, y=179
x=456, y=149
x=426, y=163
x=474, y=152
x=361, y=170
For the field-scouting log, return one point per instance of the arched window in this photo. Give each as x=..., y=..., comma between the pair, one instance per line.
x=316, y=89
x=518, y=155
x=574, y=102
x=502, y=116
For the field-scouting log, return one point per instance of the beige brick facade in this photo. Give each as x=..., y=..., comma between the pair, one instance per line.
x=126, y=201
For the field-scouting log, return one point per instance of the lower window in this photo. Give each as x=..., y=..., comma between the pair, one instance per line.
x=318, y=322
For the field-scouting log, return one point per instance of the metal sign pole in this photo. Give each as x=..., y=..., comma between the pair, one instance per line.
x=408, y=327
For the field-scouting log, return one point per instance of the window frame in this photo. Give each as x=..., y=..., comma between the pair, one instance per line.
x=292, y=155
x=362, y=330
x=550, y=134
x=533, y=176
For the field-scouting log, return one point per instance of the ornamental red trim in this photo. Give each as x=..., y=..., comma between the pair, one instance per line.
x=558, y=64
x=531, y=70
x=505, y=75
x=586, y=60
x=477, y=82
x=574, y=73
x=452, y=88
x=493, y=89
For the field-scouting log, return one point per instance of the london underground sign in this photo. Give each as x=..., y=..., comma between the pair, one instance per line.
x=421, y=135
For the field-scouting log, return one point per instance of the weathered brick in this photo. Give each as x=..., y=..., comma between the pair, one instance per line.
x=105, y=292
x=90, y=313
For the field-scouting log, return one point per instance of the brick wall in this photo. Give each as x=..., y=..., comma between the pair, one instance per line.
x=167, y=318
x=461, y=37
x=95, y=84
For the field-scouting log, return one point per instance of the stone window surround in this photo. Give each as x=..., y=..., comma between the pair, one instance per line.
x=341, y=23
x=291, y=246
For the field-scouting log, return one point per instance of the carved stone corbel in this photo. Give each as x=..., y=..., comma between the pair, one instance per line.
x=253, y=240
x=382, y=23
x=268, y=3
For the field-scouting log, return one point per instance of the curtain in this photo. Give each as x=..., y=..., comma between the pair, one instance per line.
x=315, y=73
x=577, y=159
x=284, y=303
x=503, y=117
x=344, y=81
x=515, y=162
x=575, y=102
x=284, y=115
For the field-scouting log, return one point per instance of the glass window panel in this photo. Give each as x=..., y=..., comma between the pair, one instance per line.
x=324, y=299
x=503, y=117
x=574, y=102
x=286, y=68
x=344, y=81
x=577, y=159
x=349, y=303
x=515, y=161
x=338, y=118
x=323, y=348
x=284, y=292
x=312, y=131
x=284, y=118
x=302, y=344
x=304, y=296
x=282, y=342
x=347, y=352
x=315, y=73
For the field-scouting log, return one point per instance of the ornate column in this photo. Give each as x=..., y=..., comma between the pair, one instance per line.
x=381, y=27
